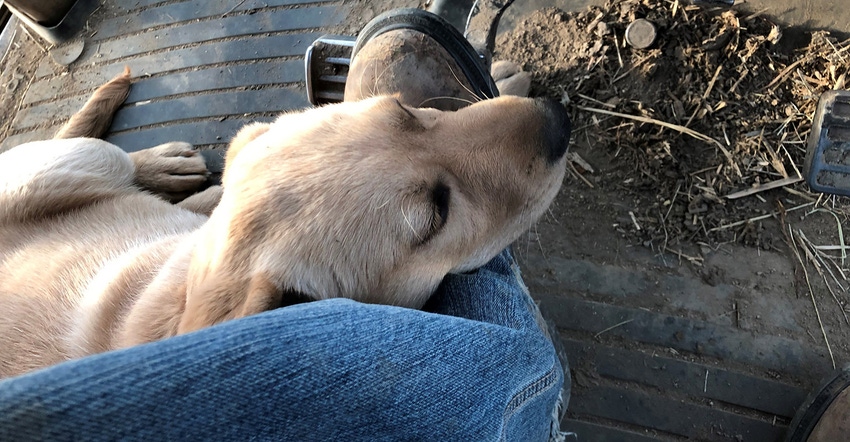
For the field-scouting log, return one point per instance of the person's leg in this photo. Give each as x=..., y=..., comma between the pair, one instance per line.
x=329, y=370
x=496, y=294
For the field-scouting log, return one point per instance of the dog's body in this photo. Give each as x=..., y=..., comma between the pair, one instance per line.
x=74, y=260
x=371, y=200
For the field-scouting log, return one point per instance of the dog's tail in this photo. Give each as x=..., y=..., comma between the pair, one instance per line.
x=95, y=117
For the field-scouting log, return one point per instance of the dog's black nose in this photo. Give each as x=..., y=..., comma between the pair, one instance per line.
x=556, y=129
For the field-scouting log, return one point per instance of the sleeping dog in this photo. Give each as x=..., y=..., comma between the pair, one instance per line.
x=371, y=200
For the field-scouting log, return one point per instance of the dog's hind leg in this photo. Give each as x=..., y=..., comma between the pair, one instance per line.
x=203, y=202
x=48, y=177
x=95, y=117
x=43, y=178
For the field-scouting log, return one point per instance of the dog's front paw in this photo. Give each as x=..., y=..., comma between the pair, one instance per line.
x=510, y=78
x=172, y=170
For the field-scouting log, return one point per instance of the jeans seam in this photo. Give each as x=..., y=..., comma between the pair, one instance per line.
x=528, y=393
x=518, y=281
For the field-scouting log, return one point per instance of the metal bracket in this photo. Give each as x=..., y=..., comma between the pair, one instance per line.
x=827, y=165
x=327, y=62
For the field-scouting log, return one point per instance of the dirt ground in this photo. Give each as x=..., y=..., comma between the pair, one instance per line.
x=724, y=74
x=17, y=69
x=363, y=11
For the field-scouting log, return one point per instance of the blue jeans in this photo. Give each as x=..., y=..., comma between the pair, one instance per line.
x=475, y=366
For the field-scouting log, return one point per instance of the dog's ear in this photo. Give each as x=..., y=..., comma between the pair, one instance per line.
x=220, y=296
x=242, y=138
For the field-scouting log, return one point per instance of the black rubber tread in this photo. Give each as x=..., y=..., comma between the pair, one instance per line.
x=235, y=51
x=194, y=80
x=186, y=11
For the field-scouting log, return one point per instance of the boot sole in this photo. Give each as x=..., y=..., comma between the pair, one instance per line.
x=441, y=32
x=815, y=406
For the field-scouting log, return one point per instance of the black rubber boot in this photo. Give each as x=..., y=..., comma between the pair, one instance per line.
x=825, y=414
x=421, y=58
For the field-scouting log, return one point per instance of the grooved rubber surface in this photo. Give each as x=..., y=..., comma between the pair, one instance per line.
x=203, y=69
x=685, y=368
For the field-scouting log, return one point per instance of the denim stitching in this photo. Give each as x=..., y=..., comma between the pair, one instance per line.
x=518, y=281
x=528, y=393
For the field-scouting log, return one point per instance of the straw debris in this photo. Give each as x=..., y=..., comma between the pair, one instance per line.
x=708, y=125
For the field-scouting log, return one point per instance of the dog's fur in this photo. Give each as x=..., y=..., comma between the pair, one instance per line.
x=96, y=115
x=371, y=200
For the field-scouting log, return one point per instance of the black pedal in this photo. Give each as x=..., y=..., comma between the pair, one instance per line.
x=827, y=165
x=327, y=62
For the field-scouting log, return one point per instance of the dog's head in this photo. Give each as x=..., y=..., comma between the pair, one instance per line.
x=374, y=201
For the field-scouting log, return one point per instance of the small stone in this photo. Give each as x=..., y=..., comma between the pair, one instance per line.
x=641, y=34
x=602, y=29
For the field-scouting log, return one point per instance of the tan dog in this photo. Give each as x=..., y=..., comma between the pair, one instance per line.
x=370, y=200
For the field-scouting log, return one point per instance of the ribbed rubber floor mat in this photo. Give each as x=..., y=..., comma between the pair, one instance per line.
x=204, y=69
x=658, y=354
